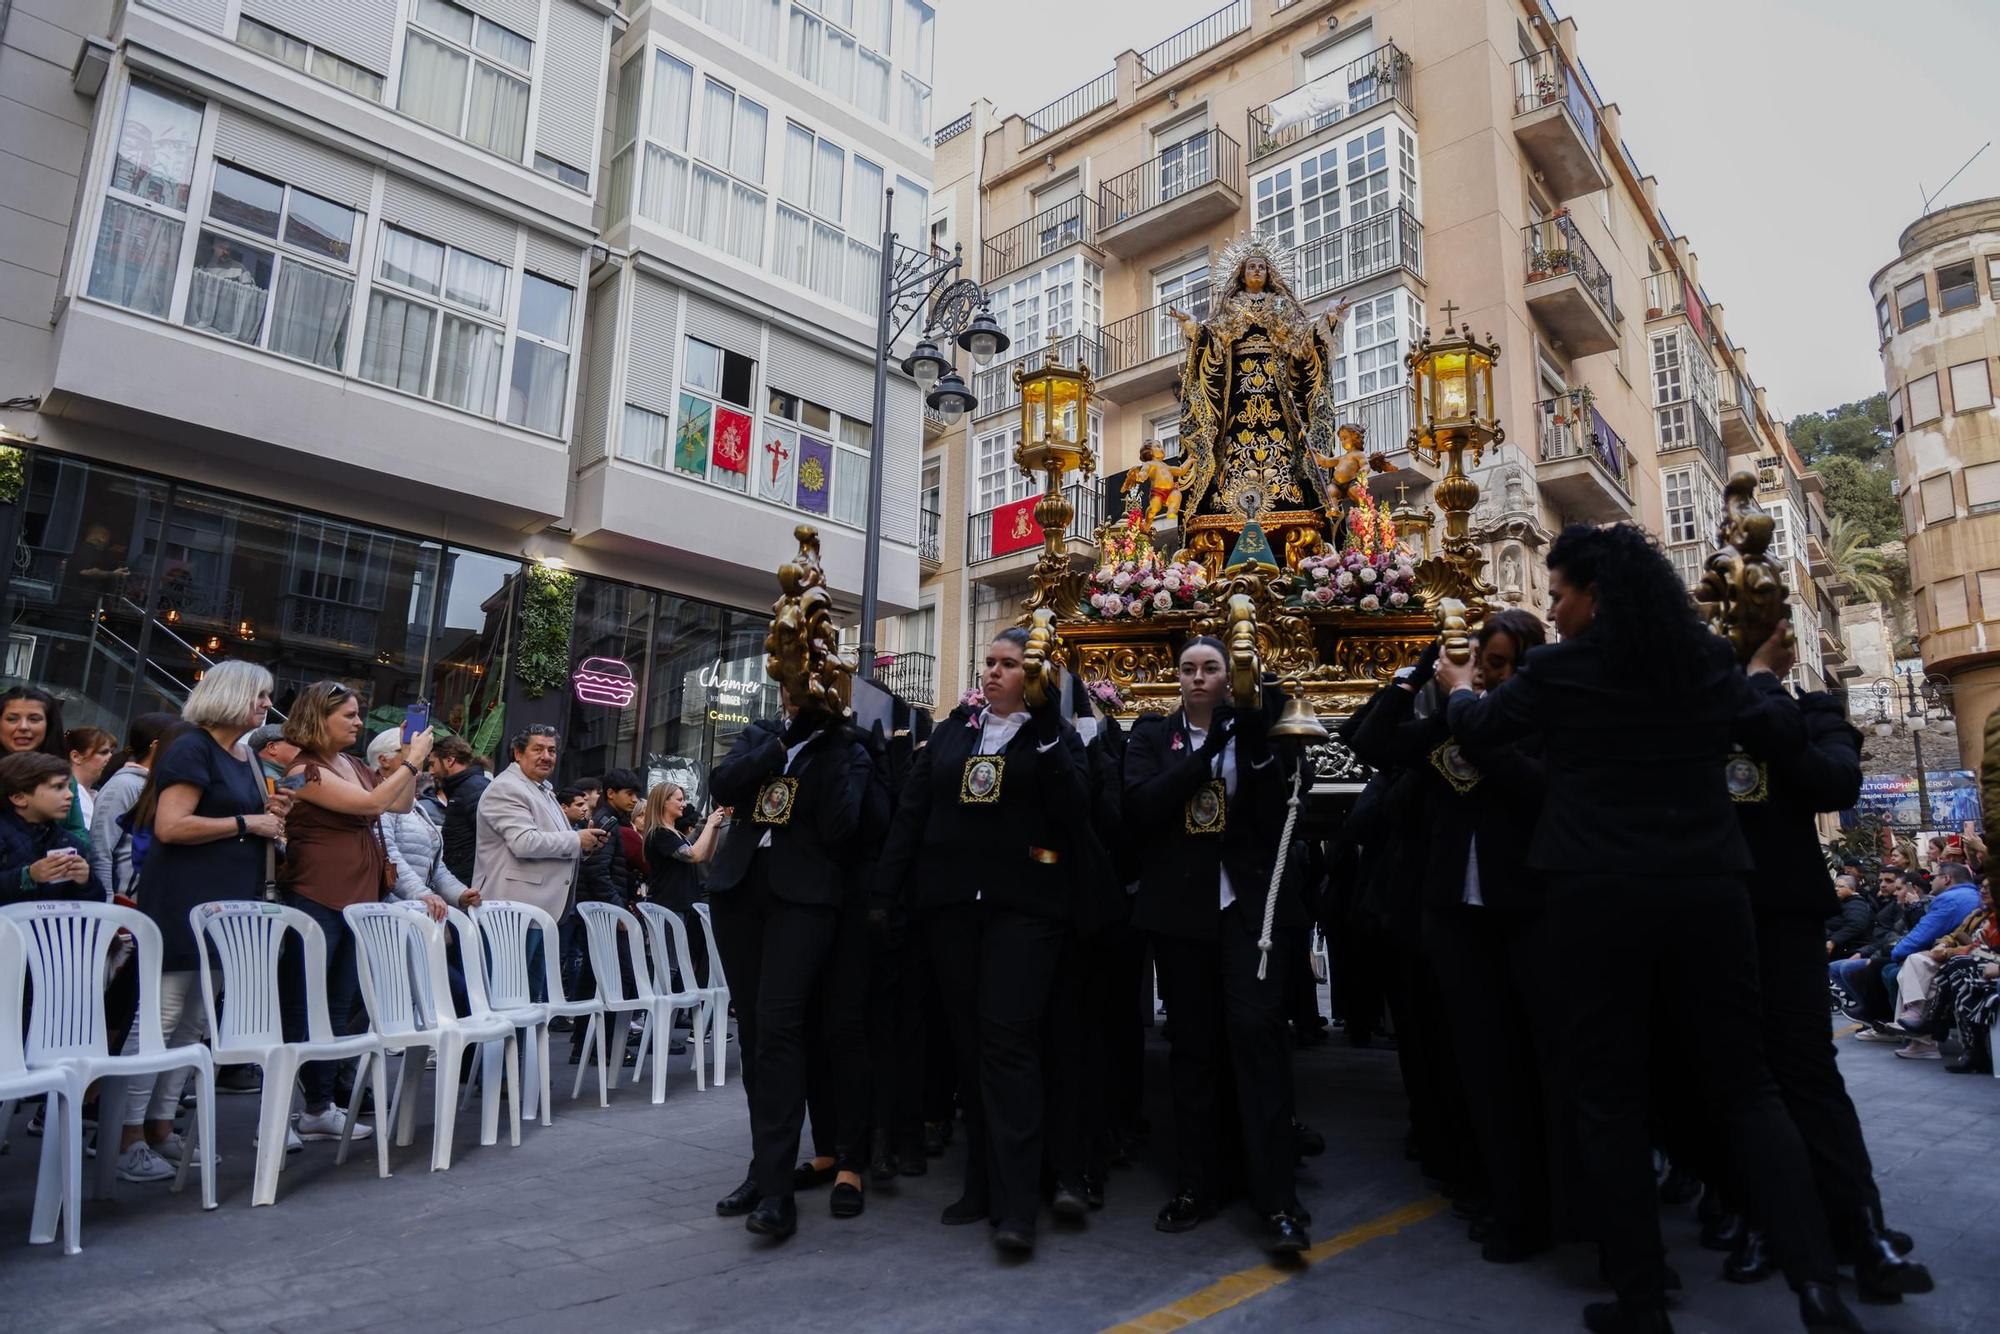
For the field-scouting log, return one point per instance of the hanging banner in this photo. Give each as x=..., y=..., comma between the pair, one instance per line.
x=691, y=437
x=815, y=475
x=732, y=441
x=1014, y=527
x=777, y=459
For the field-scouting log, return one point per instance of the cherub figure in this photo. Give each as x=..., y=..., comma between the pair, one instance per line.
x=1160, y=480
x=1347, y=471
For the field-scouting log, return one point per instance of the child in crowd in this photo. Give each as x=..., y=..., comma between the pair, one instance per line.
x=40, y=858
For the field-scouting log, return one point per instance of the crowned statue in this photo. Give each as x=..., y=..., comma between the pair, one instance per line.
x=1258, y=413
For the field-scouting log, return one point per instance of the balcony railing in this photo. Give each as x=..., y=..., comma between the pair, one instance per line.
x=910, y=675
x=330, y=622
x=930, y=542
x=1194, y=39
x=953, y=130
x=1075, y=219
x=1555, y=248
x=1384, y=418
x=1362, y=250
x=1073, y=106
x=1685, y=426
x=1196, y=161
x=1138, y=339
x=1543, y=79
x=1664, y=295
x=995, y=388
x=1085, y=501
x=1383, y=75
x=1567, y=427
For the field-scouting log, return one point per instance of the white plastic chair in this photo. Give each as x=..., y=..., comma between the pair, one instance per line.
x=668, y=930
x=602, y=924
x=59, y=1185
x=717, y=984
x=68, y=946
x=505, y=927
x=247, y=938
x=399, y=954
x=527, y=1016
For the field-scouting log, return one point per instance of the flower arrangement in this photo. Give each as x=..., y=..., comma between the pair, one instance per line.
x=1104, y=692
x=974, y=698
x=1364, y=581
x=1132, y=580
x=1371, y=529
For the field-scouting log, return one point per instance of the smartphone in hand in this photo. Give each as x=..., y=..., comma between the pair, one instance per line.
x=416, y=719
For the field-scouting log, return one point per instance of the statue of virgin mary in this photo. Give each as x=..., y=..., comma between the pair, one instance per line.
x=1257, y=408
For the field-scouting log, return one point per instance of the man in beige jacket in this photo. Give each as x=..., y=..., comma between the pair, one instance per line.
x=527, y=851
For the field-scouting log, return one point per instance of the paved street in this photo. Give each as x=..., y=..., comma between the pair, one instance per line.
x=606, y=1221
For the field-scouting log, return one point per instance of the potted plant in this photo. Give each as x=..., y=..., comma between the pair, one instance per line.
x=1547, y=88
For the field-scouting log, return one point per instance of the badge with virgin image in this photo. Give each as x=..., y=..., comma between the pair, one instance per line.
x=1748, y=779
x=1208, y=808
x=980, y=784
x=774, y=801
x=1450, y=761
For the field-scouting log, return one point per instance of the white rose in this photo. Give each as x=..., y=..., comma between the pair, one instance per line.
x=1366, y=574
x=1344, y=581
x=1172, y=580
x=1398, y=599
x=1163, y=599
x=1121, y=582
x=1371, y=603
x=1200, y=605
x=1321, y=573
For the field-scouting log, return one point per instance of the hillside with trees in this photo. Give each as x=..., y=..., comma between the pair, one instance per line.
x=1849, y=446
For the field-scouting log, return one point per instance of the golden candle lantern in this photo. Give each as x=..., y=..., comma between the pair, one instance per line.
x=1055, y=438
x=1453, y=380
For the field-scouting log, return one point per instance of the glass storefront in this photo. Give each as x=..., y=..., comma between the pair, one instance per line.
x=124, y=587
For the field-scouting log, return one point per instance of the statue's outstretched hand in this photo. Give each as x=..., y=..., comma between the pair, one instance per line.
x=1190, y=327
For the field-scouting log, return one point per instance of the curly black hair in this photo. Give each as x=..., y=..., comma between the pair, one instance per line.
x=1645, y=619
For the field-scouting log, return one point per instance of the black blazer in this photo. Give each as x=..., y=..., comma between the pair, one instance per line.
x=811, y=854
x=1823, y=775
x=1501, y=806
x=1635, y=775
x=1180, y=874
x=1026, y=850
x=1101, y=897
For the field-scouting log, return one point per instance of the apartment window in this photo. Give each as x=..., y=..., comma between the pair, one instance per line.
x=839, y=446
x=643, y=438
x=716, y=196
x=1166, y=429
x=1374, y=360
x=304, y=56
x=813, y=248
x=1913, y=306
x=1924, y=405
x=713, y=438
x=751, y=22
x=625, y=134
x=1668, y=386
x=259, y=236
x=1273, y=204
x=1912, y=520
x=1781, y=530
x=538, y=388
x=1958, y=286
x=1065, y=298
x=1948, y=607
x=1884, y=326
x=1677, y=497
x=1368, y=174
x=1982, y=492
x=145, y=208
x=915, y=120
x=1895, y=413
x=913, y=207
x=1301, y=202
x=1938, y=503
x=576, y=178
x=1971, y=386
x=999, y=480
x=434, y=322
x=468, y=76
x=1989, y=595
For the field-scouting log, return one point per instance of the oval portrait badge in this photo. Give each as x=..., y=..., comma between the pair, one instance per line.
x=1746, y=778
x=980, y=784
x=1208, y=808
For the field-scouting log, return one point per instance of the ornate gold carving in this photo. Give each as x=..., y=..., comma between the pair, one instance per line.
x=1743, y=593
x=1040, y=667
x=1374, y=659
x=802, y=648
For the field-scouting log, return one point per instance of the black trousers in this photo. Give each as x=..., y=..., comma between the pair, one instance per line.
x=1791, y=965
x=1492, y=967
x=895, y=1038
x=1230, y=1041
x=776, y=955
x=837, y=1087
x=996, y=970
x=1073, y=1042
x=1623, y=941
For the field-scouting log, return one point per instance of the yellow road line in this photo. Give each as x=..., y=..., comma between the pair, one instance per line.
x=1843, y=1032
x=1235, y=1289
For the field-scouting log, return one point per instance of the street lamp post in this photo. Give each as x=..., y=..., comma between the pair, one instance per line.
x=1934, y=691
x=914, y=280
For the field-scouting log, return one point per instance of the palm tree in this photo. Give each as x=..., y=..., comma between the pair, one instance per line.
x=1863, y=568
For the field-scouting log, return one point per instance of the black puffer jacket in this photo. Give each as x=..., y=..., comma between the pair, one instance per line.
x=1850, y=926
x=461, y=825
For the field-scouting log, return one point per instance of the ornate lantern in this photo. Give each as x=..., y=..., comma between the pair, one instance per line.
x=1055, y=439
x=1453, y=380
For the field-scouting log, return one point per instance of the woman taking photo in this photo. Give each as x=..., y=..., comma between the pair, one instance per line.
x=211, y=824
x=671, y=878
x=1205, y=797
x=31, y=719
x=991, y=828
x=1638, y=707
x=334, y=856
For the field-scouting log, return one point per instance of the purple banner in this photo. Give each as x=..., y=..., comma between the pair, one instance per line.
x=815, y=475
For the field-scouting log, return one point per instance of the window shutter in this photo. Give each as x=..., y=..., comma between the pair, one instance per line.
x=554, y=258
x=1982, y=485
x=1948, y=597
x=1971, y=387
x=262, y=147
x=1924, y=400
x=574, y=61
x=1938, y=504
x=600, y=351
x=363, y=31
x=649, y=377
x=439, y=218
x=206, y=14
x=725, y=327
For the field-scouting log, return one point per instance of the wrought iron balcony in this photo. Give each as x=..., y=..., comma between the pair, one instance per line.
x=1684, y=425
x=1142, y=352
x=1187, y=187
x=1072, y=221
x=1666, y=295
x=1568, y=287
x=930, y=542
x=1086, y=509
x=910, y=675
x=1073, y=106
x=1194, y=39
x=1557, y=125
x=1586, y=468
x=1383, y=75
x=995, y=388
x=1394, y=239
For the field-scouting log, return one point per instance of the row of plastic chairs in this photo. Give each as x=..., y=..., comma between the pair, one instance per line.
x=66, y=948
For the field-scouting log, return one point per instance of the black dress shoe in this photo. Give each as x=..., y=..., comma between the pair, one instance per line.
x=962, y=1211
x=1647, y=1316
x=1181, y=1213
x=775, y=1218
x=739, y=1201
x=937, y=1134
x=1069, y=1202
x=1724, y=1233
x=239, y=1079
x=847, y=1201
x=807, y=1177
x=1751, y=1261
x=1882, y=1276
x=1311, y=1143
x=1820, y=1307
x=881, y=1158
x=1284, y=1234
x=1015, y=1240
x=1093, y=1190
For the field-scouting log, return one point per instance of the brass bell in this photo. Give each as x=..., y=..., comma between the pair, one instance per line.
x=1297, y=721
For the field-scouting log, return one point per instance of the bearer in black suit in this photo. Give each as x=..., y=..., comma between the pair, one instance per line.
x=1205, y=795
x=986, y=844
x=1636, y=708
x=777, y=892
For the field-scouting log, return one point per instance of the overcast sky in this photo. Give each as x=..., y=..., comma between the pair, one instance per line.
x=1789, y=136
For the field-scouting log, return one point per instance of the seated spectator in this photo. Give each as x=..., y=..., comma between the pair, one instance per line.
x=39, y=857
x=415, y=843
x=1852, y=922
x=1858, y=978
x=90, y=750
x=1916, y=983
